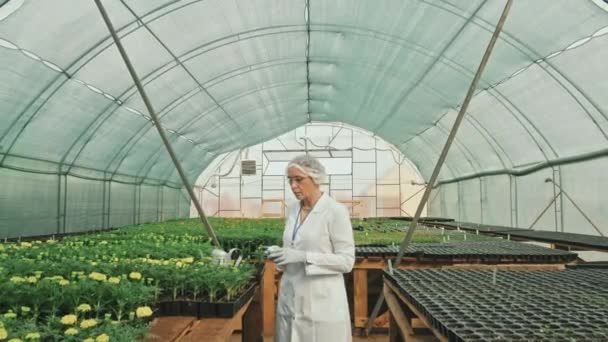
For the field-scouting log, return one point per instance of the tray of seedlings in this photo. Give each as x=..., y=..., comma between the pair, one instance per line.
x=493, y=305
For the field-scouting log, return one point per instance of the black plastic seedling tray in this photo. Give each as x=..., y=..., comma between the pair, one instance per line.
x=486, y=305
x=205, y=309
x=484, y=250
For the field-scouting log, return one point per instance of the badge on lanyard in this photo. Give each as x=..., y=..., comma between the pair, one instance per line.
x=296, y=226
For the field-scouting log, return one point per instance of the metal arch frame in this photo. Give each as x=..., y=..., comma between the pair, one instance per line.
x=479, y=128
x=254, y=142
x=431, y=66
x=196, y=144
x=141, y=133
x=445, y=150
x=503, y=100
x=69, y=76
x=435, y=152
x=417, y=158
x=271, y=86
x=248, y=68
x=341, y=126
x=534, y=55
x=129, y=145
x=158, y=153
x=181, y=64
x=128, y=25
x=164, y=68
x=215, y=41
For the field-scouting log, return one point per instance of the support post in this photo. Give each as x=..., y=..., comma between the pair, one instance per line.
x=156, y=121
x=444, y=152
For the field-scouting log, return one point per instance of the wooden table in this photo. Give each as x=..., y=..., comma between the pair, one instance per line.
x=271, y=280
x=190, y=329
x=406, y=322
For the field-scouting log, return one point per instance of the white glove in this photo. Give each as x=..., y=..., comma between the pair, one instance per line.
x=286, y=256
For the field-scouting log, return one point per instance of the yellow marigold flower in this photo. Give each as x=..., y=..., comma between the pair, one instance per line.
x=114, y=280
x=98, y=276
x=17, y=280
x=15, y=340
x=102, y=338
x=88, y=323
x=179, y=264
x=88, y=340
x=32, y=336
x=188, y=260
x=26, y=244
x=135, y=275
x=68, y=319
x=143, y=311
x=32, y=280
x=10, y=314
x=83, y=308
x=3, y=333
x=25, y=309
x=71, y=331
x=64, y=282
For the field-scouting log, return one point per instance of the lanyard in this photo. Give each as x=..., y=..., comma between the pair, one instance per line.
x=296, y=226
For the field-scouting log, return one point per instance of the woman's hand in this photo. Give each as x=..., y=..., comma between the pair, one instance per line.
x=287, y=255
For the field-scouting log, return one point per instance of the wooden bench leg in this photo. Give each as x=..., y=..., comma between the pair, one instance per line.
x=268, y=304
x=360, y=297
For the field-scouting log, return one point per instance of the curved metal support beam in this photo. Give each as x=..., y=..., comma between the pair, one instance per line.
x=393, y=111
x=481, y=130
x=531, y=169
x=157, y=154
x=259, y=140
x=124, y=151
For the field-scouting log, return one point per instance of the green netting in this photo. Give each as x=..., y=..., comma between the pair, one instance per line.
x=228, y=74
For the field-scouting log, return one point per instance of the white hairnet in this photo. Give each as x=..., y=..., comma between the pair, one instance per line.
x=310, y=166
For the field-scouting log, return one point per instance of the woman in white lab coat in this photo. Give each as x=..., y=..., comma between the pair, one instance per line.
x=318, y=247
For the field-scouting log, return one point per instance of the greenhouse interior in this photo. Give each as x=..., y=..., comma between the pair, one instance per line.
x=446, y=161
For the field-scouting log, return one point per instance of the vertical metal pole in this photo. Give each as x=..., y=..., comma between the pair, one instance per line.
x=376, y=172
x=443, y=155
x=481, y=191
x=59, y=202
x=561, y=200
x=154, y=117
x=108, y=205
x=553, y=202
x=103, y=202
x=65, y=201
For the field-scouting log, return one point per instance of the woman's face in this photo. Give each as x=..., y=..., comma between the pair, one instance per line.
x=301, y=184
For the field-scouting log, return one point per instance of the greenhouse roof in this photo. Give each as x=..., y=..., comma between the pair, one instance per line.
x=228, y=74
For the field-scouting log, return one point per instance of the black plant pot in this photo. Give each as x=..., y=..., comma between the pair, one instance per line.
x=226, y=310
x=229, y=309
x=206, y=309
x=169, y=308
x=189, y=308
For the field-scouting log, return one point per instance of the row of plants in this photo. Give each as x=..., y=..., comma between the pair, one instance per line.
x=118, y=279
x=107, y=286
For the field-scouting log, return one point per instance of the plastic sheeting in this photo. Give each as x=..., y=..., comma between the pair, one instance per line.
x=228, y=74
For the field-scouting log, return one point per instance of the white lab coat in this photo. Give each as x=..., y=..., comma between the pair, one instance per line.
x=312, y=305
